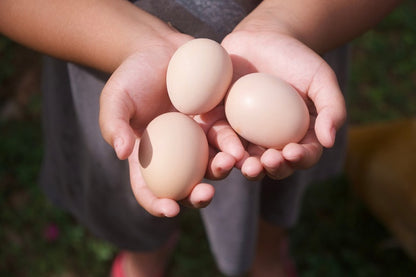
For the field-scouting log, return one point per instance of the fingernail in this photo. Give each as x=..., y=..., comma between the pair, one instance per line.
x=200, y=204
x=219, y=169
x=164, y=213
x=118, y=142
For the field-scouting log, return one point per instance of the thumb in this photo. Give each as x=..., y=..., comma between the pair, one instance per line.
x=330, y=105
x=114, y=119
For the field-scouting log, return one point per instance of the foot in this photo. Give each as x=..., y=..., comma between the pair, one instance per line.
x=147, y=264
x=272, y=254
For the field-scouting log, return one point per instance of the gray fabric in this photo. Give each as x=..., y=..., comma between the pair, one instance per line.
x=200, y=18
x=231, y=222
x=285, y=212
x=231, y=219
x=81, y=173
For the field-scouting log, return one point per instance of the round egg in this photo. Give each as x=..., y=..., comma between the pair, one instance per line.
x=266, y=111
x=198, y=76
x=173, y=155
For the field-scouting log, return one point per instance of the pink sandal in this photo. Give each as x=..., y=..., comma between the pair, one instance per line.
x=289, y=264
x=290, y=268
x=117, y=269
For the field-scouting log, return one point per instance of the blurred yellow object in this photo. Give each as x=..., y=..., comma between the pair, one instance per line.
x=381, y=165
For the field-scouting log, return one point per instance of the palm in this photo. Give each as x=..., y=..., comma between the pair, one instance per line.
x=134, y=95
x=286, y=57
x=139, y=83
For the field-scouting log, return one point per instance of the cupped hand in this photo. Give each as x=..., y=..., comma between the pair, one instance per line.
x=286, y=57
x=134, y=95
x=200, y=196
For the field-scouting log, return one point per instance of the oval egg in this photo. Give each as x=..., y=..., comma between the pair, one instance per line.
x=173, y=155
x=198, y=76
x=266, y=111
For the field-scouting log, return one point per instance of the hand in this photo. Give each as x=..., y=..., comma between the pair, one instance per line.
x=133, y=96
x=286, y=57
x=219, y=166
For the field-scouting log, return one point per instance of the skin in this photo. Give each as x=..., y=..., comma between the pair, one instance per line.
x=293, y=34
x=116, y=37
x=137, y=44
x=134, y=44
x=271, y=252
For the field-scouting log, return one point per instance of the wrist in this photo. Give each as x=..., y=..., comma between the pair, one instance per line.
x=273, y=17
x=165, y=41
x=321, y=25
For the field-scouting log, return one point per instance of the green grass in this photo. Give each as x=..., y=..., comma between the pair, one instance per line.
x=383, y=73
x=336, y=234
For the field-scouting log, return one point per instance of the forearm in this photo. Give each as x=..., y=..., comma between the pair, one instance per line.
x=97, y=33
x=320, y=24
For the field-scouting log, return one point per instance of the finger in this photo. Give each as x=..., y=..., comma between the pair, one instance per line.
x=252, y=168
x=324, y=91
x=271, y=160
x=305, y=154
x=302, y=156
x=160, y=207
x=208, y=119
x=220, y=166
x=274, y=164
x=114, y=118
x=239, y=164
x=200, y=196
x=224, y=138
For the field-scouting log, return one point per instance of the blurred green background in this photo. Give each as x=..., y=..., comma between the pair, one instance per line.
x=336, y=234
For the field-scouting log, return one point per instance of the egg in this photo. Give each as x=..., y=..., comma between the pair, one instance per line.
x=198, y=76
x=266, y=111
x=173, y=155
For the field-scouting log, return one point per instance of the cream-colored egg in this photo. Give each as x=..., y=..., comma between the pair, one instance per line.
x=266, y=111
x=173, y=155
x=198, y=76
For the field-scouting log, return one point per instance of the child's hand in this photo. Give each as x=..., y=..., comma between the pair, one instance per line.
x=133, y=96
x=289, y=59
x=199, y=197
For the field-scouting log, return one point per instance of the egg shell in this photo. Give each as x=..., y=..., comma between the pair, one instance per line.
x=198, y=76
x=266, y=111
x=173, y=155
